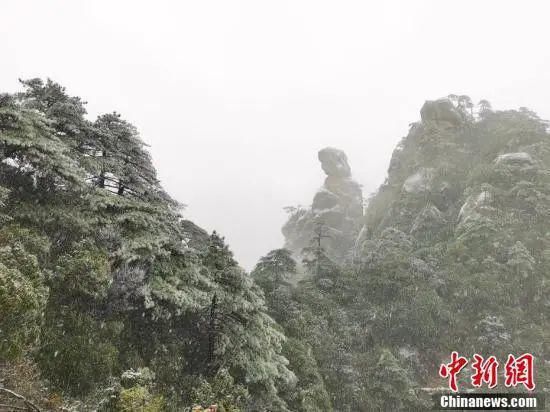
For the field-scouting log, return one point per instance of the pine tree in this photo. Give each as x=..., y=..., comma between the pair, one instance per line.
x=23, y=291
x=273, y=273
x=241, y=336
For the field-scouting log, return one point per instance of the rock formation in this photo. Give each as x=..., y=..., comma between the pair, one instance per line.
x=441, y=111
x=337, y=210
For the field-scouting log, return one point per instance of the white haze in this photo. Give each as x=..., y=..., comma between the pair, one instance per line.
x=236, y=97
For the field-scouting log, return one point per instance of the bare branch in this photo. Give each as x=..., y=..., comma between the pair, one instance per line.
x=30, y=406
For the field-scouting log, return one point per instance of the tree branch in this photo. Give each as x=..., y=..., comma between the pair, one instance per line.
x=27, y=403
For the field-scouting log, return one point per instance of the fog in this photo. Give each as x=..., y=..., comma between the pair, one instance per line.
x=236, y=97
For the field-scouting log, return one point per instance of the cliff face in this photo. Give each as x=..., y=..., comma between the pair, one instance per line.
x=452, y=168
x=336, y=211
x=466, y=206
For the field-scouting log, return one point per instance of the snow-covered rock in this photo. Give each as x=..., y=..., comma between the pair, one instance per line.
x=419, y=182
x=475, y=204
x=337, y=206
x=334, y=162
x=515, y=159
x=428, y=219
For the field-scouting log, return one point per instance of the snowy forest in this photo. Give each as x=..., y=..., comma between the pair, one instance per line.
x=111, y=300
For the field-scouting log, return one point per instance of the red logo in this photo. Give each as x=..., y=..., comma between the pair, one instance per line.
x=450, y=370
x=520, y=370
x=485, y=371
x=517, y=371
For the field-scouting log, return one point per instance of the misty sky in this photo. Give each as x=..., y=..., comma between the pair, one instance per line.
x=236, y=97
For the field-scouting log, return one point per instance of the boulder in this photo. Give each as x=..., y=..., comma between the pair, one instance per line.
x=324, y=199
x=515, y=159
x=334, y=162
x=476, y=205
x=441, y=111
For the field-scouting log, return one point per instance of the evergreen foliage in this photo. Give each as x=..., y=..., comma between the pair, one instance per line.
x=97, y=276
x=111, y=301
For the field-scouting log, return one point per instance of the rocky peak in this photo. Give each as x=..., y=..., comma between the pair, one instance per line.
x=334, y=162
x=337, y=207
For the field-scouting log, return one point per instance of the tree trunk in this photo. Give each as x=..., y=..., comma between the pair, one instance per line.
x=101, y=180
x=212, y=332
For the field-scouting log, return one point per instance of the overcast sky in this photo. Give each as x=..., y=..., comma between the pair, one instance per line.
x=236, y=97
